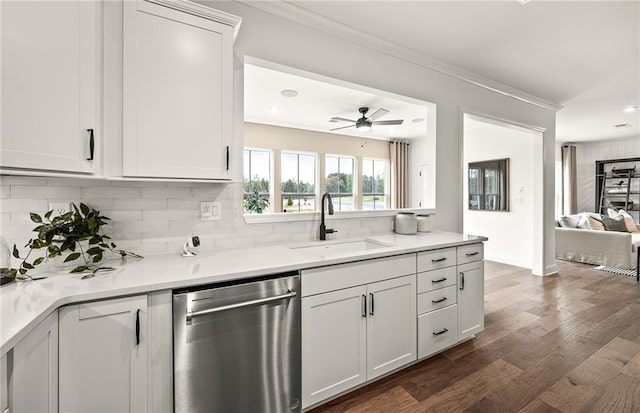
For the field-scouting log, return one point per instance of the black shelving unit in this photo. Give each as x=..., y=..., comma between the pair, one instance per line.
x=618, y=186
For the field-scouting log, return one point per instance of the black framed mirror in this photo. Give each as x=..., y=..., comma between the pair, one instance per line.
x=489, y=185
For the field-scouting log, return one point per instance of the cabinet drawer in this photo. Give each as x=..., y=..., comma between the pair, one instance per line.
x=434, y=300
x=432, y=280
x=437, y=330
x=431, y=260
x=470, y=253
x=337, y=277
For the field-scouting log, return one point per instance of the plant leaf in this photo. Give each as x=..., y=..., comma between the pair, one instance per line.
x=48, y=214
x=85, y=209
x=72, y=256
x=113, y=245
x=23, y=271
x=27, y=265
x=97, y=258
x=35, y=218
x=94, y=251
x=16, y=253
x=90, y=275
x=38, y=261
x=80, y=268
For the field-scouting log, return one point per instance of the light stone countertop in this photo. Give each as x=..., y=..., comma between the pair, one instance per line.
x=24, y=304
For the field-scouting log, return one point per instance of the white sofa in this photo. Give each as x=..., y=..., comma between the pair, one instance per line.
x=610, y=248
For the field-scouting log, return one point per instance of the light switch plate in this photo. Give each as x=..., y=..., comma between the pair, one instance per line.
x=210, y=211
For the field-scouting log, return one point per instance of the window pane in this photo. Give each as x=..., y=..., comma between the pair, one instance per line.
x=474, y=187
x=246, y=172
x=260, y=170
x=332, y=181
x=307, y=179
x=289, y=172
x=367, y=177
x=474, y=201
x=380, y=173
x=346, y=176
x=490, y=181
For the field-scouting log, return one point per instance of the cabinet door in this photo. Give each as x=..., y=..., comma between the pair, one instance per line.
x=35, y=369
x=49, y=75
x=333, y=343
x=470, y=299
x=391, y=325
x=103, y=367
x=177, y=108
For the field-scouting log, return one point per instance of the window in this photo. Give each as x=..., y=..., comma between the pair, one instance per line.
x=298, y=172
x=339, y=181
x=489, y=185
x=257, y=173
x=374, y=183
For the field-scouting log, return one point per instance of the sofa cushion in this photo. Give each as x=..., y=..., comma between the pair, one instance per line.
x=569, y=221
x=628, y=219
x=614, y=224
x=589, y=222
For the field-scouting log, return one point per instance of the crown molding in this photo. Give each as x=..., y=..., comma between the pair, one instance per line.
x=205, y=12
x=299, y=15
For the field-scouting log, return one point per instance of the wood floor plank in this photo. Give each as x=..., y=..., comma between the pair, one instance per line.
x=565, y=343
x=465, y=393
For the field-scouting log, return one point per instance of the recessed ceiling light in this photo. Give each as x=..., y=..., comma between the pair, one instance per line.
x=273, y=110
x=630, y=109
x=417, y=120
x=523, y=1
x=622, y=125
x=289, y=93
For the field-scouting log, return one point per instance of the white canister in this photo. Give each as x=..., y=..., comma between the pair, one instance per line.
x=424, y=223
x=406, y=223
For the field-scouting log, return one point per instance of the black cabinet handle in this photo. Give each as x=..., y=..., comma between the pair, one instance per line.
x=227, y=157
x=439, y=301
x=91, y=144
x=364, y=306
x=444, y=330
x=440, y=280
x=372, y=304
x=462, y=281
x=440, y=259
x=138, y=327
x=471, y=254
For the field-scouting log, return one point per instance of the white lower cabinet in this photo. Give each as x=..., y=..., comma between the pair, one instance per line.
x=470, y=299
x=34, y=376
x=437, y=330
x=356, y=334
x=103, y=356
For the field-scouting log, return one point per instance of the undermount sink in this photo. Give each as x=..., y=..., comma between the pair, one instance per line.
x=332, y=248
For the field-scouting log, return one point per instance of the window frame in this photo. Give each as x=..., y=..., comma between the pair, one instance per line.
x=299, y=195
x=501, y=167
x=387, y=174
x=337, y=196
x=270, y=193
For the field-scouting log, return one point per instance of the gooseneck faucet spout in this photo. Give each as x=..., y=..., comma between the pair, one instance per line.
x=323, y=229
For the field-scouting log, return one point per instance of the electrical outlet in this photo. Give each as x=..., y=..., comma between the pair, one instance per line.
x=210, y=211
x=59, y=208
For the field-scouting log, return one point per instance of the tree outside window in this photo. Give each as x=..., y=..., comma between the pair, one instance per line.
x=298, y=172
x=374, y=183
x=339, y=181
x=257, y=173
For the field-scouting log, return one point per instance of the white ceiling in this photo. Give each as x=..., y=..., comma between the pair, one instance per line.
x=318, y=101
x=583, y=55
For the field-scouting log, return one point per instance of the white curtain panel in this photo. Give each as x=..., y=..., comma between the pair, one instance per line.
x=399, y=154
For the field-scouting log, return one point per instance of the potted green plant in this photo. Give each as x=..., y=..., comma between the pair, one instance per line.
x=256, y=203
x=75, y=235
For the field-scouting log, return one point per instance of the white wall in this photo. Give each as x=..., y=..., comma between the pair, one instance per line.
x=510, y=232
x=276, y=39
x=587, y=154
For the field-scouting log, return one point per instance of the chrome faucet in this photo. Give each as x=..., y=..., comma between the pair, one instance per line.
x=323, y=229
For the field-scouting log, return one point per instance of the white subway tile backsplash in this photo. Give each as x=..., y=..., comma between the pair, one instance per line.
x=166, y=192
x=5, y=191
x=36, y=191
x=23, y=205
x=139, y=204
x=110, y=192
x=22, y=180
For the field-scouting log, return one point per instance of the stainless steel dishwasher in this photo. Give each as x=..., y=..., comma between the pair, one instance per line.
x=236, y=346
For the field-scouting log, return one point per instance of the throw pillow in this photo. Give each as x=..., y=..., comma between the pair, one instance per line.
x=628, y=220
x=589, y=222
x=614, y=224
x=569, y=221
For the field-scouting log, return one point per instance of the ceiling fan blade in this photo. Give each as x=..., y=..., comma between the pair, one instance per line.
x=337, y=119
x=389, y=122
x=378, y=114
x=343, y=127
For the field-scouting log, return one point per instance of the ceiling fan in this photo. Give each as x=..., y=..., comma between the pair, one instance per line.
x=364, y=123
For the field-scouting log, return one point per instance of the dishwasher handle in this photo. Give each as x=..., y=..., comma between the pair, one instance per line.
x=191, y=314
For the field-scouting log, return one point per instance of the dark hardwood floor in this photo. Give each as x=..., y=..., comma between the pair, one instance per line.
x=564, y=343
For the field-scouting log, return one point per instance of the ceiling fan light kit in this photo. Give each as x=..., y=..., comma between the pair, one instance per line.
x=364, y=123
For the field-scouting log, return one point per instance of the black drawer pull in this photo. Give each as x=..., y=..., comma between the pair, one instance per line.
x=138, y=327
x=444, y=330
x=440, y=280
x=227, y=158
x=439, y=301
x=364, y=306
x=471, y=254
x=440, y=259
x=91, y=144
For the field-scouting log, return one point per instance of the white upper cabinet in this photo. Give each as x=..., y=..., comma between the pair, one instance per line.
x=177, y=91
x=50, y=72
